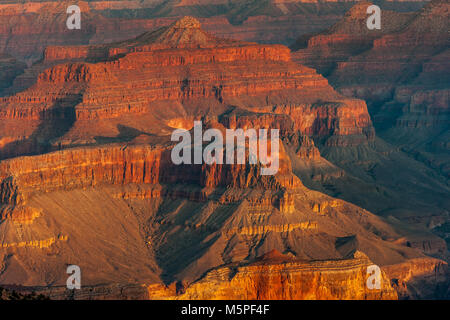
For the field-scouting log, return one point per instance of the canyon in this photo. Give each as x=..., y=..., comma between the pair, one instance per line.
x=402, y=74
x=86, y=176
x=26, y=29
x=401, y=71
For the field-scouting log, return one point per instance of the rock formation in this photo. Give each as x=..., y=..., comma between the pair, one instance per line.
x=401, y=71
x=26, y=29
x=68, y=95
x=279, y=277
x=86, y=175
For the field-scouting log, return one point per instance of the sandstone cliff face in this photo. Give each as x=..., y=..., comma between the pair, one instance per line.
x=346, y=118
x=283, y=278
x=117, y=165
x=26, y=29
x=394, y=63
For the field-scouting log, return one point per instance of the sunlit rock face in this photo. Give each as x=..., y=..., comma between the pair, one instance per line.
x=87, y=178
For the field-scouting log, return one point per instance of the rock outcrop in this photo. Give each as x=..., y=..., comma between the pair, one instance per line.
x=26, y=29
x=281, y=277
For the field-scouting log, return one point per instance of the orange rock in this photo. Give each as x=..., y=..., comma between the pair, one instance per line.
x=278, y=277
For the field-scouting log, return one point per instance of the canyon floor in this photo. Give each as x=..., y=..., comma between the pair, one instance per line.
x=87, y=177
